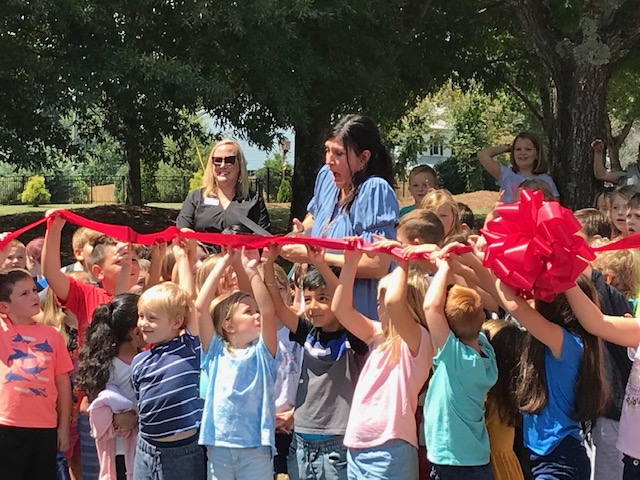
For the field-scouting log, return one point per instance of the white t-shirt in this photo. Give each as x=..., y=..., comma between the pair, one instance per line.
x=121, y=377
x=288, y=376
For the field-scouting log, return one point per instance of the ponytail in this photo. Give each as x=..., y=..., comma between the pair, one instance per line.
x=110, y=327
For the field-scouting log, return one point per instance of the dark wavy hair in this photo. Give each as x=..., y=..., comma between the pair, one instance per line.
x=110, y=327
x=360, y=133
x=591, y=389
x=506, y=339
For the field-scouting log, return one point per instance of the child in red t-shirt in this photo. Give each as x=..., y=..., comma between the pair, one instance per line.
x=35, y=389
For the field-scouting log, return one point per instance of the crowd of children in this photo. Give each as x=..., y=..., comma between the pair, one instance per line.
x=168, y=363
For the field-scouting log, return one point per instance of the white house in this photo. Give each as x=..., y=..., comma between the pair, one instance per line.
x=438, y=150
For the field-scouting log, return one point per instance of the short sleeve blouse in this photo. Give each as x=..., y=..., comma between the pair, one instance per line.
x=374, y=211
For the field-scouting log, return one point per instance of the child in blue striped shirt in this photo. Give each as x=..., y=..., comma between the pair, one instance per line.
x=166, y=379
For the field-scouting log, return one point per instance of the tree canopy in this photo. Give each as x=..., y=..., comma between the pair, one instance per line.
x=133, y=74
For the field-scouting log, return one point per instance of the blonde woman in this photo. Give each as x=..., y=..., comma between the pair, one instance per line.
x=224, y=201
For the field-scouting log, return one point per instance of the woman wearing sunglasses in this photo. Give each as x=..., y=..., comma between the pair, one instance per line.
x=353, y=196
x=224, y=202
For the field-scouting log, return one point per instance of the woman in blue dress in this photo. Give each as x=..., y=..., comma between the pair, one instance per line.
x=353, y=196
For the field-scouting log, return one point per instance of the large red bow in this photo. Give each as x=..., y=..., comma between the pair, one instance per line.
x=532, y=247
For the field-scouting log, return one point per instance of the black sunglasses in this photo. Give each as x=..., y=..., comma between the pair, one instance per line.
x=230, y=160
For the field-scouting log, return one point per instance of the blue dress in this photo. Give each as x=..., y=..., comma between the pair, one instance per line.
x=374, y=210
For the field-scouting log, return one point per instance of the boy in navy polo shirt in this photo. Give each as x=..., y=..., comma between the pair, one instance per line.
x=166, y=379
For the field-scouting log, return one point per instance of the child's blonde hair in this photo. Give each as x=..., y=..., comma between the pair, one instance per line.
x=623, y=267
x=625, y=192
x=417, y=285
x=205, y=269
x=82, y=236
x=222, y=309
x=440, y=198
x=53, y=314
x=168, y=298
x=534, y=184
x=464, y=313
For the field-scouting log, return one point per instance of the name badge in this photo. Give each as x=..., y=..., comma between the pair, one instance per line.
x=211, y=201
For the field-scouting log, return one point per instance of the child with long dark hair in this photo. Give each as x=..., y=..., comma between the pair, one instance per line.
x=501, y=409
x=112, y=340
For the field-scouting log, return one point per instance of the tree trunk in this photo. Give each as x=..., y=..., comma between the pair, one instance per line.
x=308, y=160
x=614, y=142
x=134, y=187
x=579, y=113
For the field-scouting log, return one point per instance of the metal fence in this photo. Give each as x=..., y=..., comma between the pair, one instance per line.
x=90, y=189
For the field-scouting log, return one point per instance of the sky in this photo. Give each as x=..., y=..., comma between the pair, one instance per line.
x=255, y=157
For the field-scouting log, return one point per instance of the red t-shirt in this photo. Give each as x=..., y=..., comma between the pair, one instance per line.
x=82, y=300
x=32, y=356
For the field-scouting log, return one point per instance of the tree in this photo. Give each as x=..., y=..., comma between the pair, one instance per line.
x=623, y=106
x=474, y=118
x=579, y=45
x=307, y=63
x=271, y=175
x=32, y=95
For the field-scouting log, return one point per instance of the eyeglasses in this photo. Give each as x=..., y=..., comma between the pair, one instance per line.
x=230, y=160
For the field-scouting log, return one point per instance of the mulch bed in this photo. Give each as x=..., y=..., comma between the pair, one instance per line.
x=142, y=219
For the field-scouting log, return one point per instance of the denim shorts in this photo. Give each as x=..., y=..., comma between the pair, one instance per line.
x=568, y=461
x=631, y=468
x=451, y=472
x=395, y=459
x=187, y=461
x=317, y=459
x=239, y=463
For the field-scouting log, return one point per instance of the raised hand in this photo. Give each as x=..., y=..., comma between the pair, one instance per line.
x=597, y=145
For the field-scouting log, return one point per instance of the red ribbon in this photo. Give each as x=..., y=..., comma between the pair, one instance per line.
x=533, y=247
x=128, y=234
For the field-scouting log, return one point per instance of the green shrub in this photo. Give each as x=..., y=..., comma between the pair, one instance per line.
x=171, y=183
x=449, y=176
x=35, y=192
x=79, y=191
x=196, y=181
x=284, y=191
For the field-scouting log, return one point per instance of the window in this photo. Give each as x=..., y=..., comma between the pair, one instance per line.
x=436, y=150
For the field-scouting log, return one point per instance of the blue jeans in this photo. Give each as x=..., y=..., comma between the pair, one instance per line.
x=88, y=452
x=395, y=459
x=239, y=463
x=317, y=459
x=631, y=468
x=62, y=469
x=451, y=472
x=183, y=462
x=568, y=461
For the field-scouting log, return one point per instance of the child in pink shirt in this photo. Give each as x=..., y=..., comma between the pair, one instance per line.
x=381, y=433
